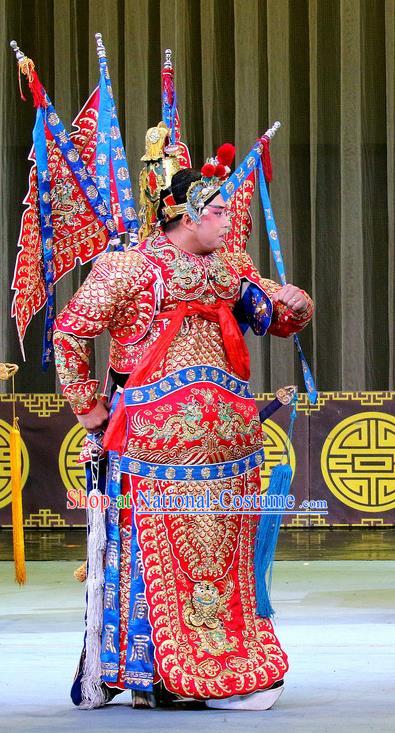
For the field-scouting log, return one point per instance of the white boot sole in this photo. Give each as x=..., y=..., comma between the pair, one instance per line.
x=263, y=700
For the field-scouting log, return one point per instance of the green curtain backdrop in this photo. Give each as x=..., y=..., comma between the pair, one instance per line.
x=324, y=68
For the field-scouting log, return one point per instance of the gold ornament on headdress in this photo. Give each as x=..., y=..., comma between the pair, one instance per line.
x=165, y=154
x=155, y=140
x=8, y=371
x=152, y=177
x=161, y=165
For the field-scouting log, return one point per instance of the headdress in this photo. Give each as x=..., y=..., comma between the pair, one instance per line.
x=214, y=173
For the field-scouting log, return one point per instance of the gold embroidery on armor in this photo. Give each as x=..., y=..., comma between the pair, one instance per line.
x=205, y=605
x=124, y=596
x=81, y=395
x=124, y=357
x=232, y=434
x=201, y=344
x=117, y=294
x=79, y=350
x=207, y=542
x=202, y=610
x=192, y=275
x=217, y=272
x=259, y=653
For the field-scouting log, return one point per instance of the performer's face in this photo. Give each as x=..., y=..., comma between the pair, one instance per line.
x=214, y=224
x=206, y=235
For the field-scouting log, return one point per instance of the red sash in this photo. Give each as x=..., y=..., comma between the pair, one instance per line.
x=235, y=349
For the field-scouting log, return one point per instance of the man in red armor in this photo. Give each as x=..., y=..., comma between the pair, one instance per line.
x=191, y=425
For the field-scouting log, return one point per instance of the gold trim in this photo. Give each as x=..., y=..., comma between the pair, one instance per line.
x=172, y=211
x=43, y=405
x=45, y=518
x=370, y=399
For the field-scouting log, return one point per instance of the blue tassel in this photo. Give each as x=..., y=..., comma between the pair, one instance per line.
x=267, y=535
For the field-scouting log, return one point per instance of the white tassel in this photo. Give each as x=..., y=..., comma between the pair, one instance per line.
x=92, y=693
x=159, y=288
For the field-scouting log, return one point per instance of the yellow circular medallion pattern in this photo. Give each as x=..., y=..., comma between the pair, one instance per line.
x=5, y=466
x=358, y=461
x=72, y=472
x=273, y=444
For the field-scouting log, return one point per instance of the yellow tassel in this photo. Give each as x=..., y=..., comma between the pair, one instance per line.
x=80, y=573
x=17, y=511
x=26, y=66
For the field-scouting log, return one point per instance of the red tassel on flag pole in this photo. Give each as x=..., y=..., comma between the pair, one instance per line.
x=26, y=67
x=266, y=159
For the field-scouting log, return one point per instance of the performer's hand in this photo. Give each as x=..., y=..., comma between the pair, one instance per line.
x=97, y=418
x=292, y=297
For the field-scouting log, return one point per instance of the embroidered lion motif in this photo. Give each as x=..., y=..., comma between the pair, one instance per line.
x=205, y=605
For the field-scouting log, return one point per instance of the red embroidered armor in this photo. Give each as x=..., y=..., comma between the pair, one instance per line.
x=192, y=435
x=129, y=293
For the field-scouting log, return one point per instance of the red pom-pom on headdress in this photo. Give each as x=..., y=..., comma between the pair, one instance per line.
x=226, y=153
x=208, y=170
x=220, y=171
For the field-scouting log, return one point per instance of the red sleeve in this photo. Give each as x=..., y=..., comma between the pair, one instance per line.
x=284, y=320
x=110, y=289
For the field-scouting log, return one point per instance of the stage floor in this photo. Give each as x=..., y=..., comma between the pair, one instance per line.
x=371, y=543
x=335, y=620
